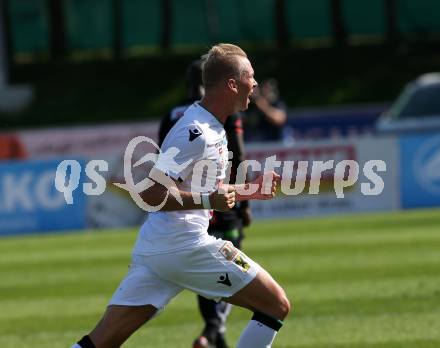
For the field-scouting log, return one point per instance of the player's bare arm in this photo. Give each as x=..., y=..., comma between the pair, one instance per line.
x=262, y=188
x=222, y=199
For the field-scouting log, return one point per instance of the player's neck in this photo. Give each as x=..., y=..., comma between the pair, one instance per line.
x=216, y=107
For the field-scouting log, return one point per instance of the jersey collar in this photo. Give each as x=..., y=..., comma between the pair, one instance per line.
x=206, y=112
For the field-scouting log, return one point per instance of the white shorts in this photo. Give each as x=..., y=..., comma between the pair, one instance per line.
x=214, y=270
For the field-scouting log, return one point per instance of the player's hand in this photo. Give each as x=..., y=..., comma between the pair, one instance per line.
x=223, y=199
x=267, y=186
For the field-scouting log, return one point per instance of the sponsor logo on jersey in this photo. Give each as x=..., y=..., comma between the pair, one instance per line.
x=217, y=144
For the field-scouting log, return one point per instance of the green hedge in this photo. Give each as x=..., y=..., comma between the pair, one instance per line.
x=89, y=23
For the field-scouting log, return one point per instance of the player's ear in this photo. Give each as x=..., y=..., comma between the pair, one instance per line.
x=232, y=85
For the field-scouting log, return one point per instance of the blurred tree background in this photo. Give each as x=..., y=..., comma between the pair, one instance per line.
x=93, y=61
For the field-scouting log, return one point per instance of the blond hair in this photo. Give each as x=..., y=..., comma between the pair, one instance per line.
x=221, y=63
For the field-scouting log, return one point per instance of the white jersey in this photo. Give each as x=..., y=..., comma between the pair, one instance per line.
x=201, y=141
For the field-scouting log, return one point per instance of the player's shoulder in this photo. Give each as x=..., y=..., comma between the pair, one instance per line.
x=197, y=114
x=235, y=117
x=234, y=123
x=187, y=134
x=197, y=119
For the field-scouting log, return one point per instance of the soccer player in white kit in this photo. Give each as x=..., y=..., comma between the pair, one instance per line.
x=173, y=250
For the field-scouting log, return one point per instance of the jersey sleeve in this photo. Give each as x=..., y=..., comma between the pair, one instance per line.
x=234, y=132
x=180, y=151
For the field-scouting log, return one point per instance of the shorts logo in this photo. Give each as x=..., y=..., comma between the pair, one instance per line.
x=240, y=260
x=224, y=279
x=228, y=251
x=231, y=253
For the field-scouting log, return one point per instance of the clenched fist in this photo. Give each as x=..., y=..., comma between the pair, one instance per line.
x=265, y=186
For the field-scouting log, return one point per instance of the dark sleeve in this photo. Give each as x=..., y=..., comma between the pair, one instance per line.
x=234, y=133
x=165, y=125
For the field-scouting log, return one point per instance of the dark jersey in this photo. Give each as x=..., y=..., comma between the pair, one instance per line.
x=171, y=118
x=229, y=220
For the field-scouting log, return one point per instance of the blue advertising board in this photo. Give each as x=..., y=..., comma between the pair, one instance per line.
x=29, y=201
x=420, y=170
x=331, y=122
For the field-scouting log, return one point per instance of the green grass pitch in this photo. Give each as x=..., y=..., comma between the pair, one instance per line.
x=359, y=281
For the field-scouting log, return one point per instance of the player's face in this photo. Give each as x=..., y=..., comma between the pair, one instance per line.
x=246, y=85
